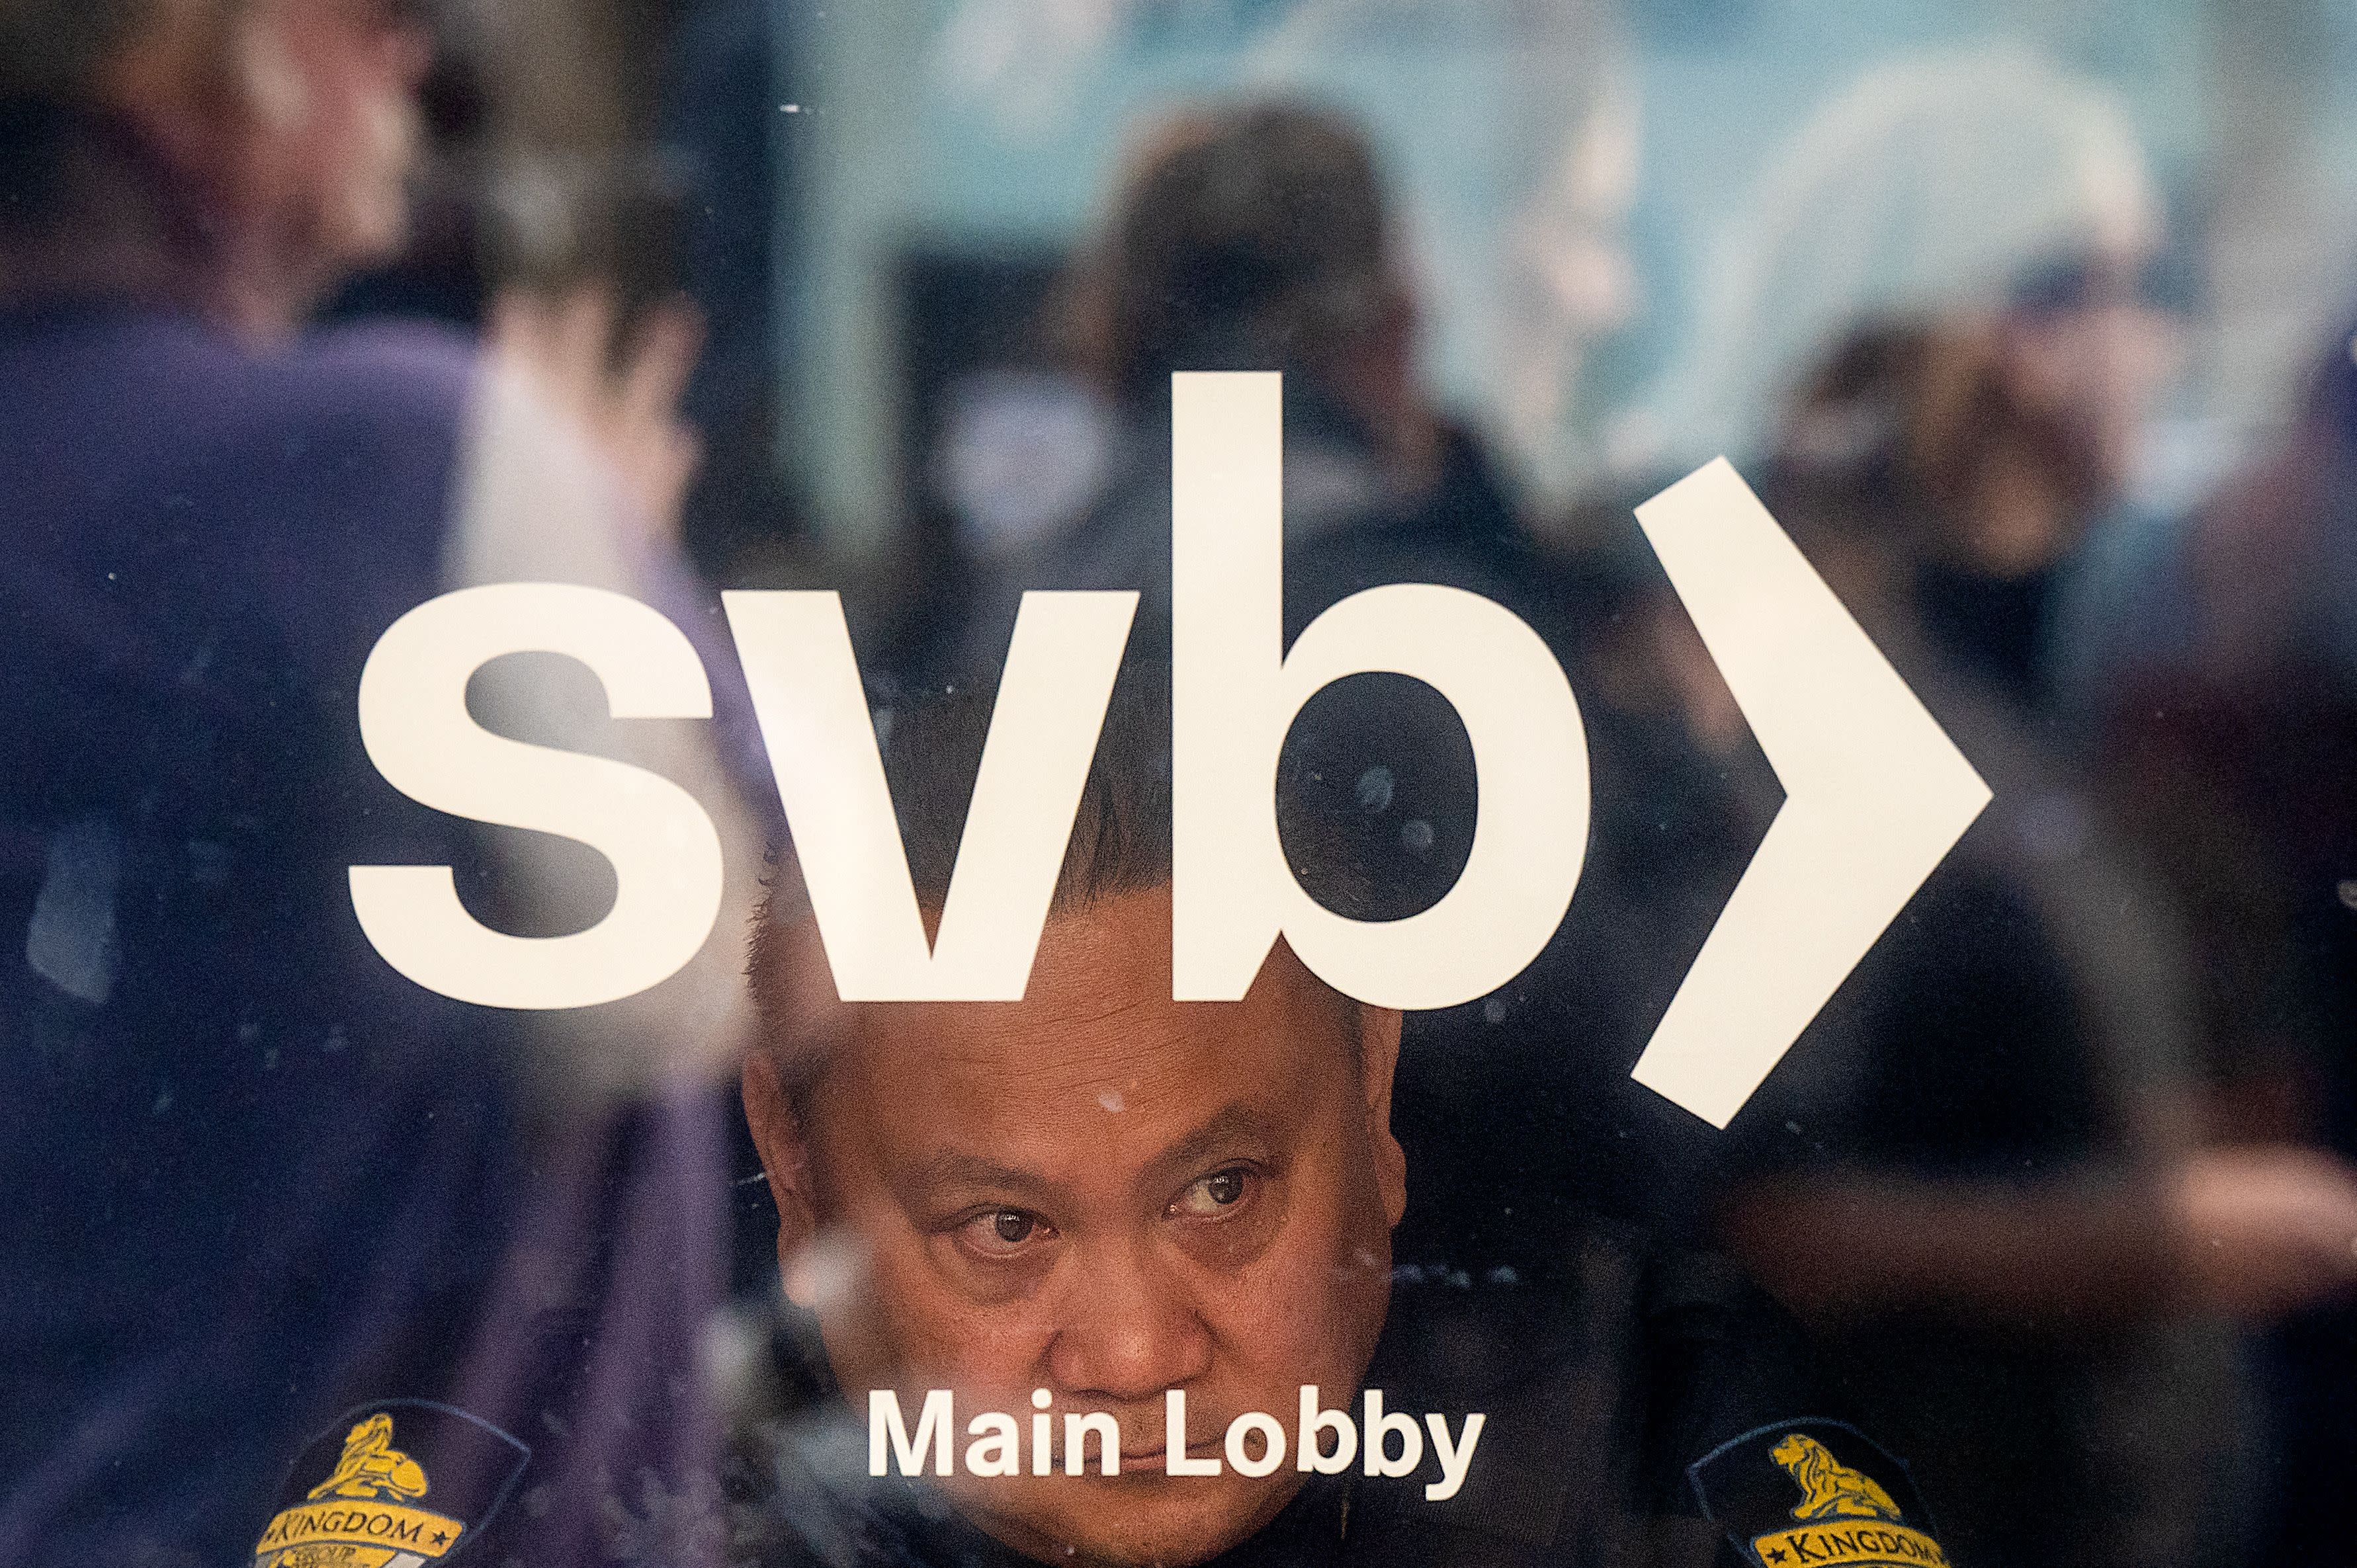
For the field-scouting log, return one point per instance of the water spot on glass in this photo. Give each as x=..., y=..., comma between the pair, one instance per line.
x=1415, y=836
x=1374, y=789
x=71, y=942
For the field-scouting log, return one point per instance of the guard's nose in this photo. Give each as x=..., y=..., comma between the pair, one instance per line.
x=1131, y=1330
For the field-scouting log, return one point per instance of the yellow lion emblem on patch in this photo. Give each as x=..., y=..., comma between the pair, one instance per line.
x=1830, y=1488
x=371, y=1467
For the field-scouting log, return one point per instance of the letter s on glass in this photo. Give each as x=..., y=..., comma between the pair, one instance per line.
x=665, y=852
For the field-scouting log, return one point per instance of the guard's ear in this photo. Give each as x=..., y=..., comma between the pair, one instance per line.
x=785, y=1160
x=1379, y=1046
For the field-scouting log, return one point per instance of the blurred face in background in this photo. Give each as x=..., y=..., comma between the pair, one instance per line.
x=1105, y=1194
x=295, y=123
x=2001, y=437
x=2106, y=351
x=2058, y=418
x=339, y=135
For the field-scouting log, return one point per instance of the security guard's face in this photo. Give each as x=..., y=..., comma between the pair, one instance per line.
x=1104, y=1194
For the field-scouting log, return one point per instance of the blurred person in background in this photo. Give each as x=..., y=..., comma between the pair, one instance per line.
x=1512, y=131
x=1519, y=162
x=1986, y=1174
x=1261, y=238
x=2216, y=663
x=255, y=1176
x=1935, y=183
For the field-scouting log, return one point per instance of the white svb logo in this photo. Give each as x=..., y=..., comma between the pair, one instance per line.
x=1876, y=793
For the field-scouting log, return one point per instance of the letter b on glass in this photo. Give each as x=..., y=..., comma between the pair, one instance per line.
x=1236, y=691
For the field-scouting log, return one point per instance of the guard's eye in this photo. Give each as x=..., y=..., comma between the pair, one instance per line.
x=1208, y=1197
x=1003, y=1233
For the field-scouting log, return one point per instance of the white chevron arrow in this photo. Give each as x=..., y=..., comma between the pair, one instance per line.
x=1876, y=794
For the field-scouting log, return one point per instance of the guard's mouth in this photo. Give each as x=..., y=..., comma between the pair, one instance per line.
x=1152, y=1459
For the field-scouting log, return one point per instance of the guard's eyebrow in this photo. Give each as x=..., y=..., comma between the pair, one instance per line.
x=1227, y=1126
x=952, y=1170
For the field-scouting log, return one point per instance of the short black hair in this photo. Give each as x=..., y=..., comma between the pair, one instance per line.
x=931, y=744
x=1363, y=759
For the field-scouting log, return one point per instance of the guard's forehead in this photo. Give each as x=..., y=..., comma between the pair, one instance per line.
x=1098, y=1005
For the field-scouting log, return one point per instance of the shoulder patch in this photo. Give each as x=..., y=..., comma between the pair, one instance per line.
x=398, y=1484
x=1814, y=1491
